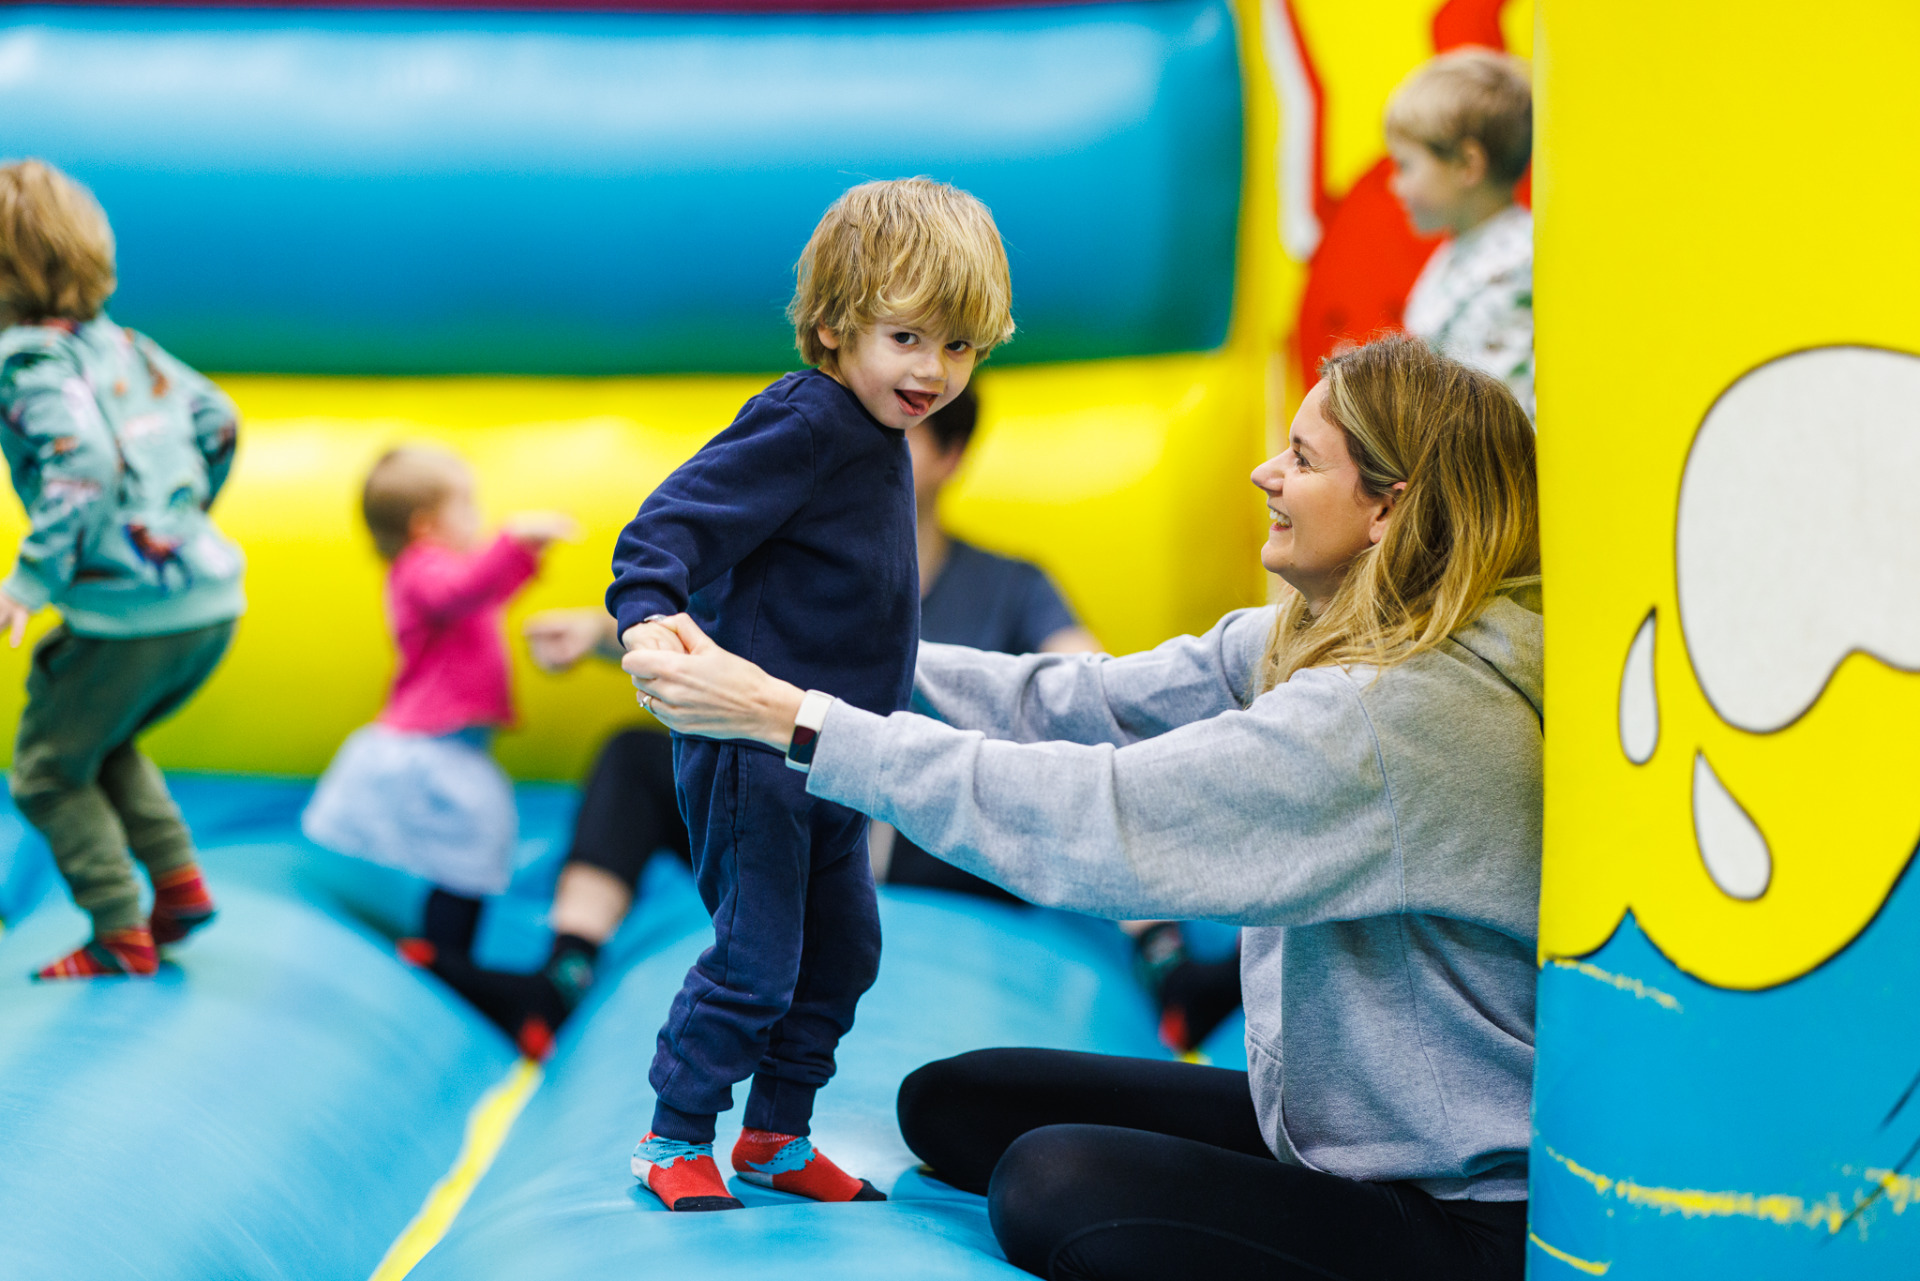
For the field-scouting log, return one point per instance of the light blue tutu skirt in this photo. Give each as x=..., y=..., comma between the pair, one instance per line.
x=434, y=805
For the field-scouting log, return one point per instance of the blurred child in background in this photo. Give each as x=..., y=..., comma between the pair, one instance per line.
x=418, y=789
x=1460, y=130
x=117, y=450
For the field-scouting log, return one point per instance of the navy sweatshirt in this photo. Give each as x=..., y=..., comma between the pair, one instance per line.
x=790, y=539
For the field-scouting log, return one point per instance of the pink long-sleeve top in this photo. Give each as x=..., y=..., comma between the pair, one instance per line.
x=446, y=609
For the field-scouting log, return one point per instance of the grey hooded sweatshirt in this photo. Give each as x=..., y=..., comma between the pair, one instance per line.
x=1375, y=832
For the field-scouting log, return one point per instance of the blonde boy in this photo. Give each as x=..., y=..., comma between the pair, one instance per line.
x=1460, y=130
x=117, y=450
x=790, y=539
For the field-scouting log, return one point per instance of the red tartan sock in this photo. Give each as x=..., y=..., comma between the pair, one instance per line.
x=788, y=1163
x=181, y=904
x=119, y=954
x=682, y=1175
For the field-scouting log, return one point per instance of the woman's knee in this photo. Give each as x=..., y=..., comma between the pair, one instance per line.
x=923, y=1104
x=955, y=1115
x=1045, y=1190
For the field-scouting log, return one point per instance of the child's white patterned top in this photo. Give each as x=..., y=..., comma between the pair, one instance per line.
x=1474, y=300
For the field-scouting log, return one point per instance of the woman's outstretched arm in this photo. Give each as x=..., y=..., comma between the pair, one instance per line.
x=1277, y=815
x=1084, y=698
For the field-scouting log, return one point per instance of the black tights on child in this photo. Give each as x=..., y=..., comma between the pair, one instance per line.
x=627, y=812
x=451, y=921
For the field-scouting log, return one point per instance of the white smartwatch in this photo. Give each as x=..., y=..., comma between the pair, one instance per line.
x=806, y=729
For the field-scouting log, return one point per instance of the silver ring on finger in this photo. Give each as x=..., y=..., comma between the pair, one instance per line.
x=646, y=701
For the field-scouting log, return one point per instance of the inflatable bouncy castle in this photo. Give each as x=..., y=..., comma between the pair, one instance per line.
x=561, y=241
x=560, y=237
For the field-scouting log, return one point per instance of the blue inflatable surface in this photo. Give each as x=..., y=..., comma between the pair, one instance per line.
x=956, y=975
x=363, y=192
x=275, y=1105
x=1697, y=1189
x=280, y=1102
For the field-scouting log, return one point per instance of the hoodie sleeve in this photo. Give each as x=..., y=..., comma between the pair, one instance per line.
x=1091, y=698
x=713, y=512
x=63, y=464
x=1276, y=815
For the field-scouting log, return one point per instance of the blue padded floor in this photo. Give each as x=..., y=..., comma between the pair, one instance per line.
x=276, y=1104
x=956, y=975
x=281, y=1100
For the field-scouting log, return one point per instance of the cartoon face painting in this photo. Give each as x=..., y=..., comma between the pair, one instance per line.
x=1797, y=581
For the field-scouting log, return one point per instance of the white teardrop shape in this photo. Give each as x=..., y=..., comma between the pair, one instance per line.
x=1733, y=848
x=1639, y=700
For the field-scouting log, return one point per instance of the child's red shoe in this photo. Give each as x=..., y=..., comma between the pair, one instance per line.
x=682, y=1175
x=417, y=952
x=788, y=1163
x=119, y=954
x=535, y=1038
x=181, y=905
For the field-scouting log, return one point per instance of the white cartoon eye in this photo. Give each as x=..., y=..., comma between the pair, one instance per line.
x=1639, y=701
x=1731, y=846
x=1798, y=539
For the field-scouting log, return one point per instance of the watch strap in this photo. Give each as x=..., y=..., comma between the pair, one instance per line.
x=806, y=729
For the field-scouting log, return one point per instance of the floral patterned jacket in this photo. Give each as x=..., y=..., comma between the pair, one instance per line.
x=116, y=450
x=1474, y=300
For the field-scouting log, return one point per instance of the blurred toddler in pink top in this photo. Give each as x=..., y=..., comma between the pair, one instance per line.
x=418, y=789
x=446, y=608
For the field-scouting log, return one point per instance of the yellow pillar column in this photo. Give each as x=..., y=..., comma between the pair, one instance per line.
x=1728, y=286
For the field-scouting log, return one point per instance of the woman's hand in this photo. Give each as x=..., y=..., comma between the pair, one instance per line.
x=710, y=693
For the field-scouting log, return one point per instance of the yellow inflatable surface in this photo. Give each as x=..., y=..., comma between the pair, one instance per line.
x=1125, y=479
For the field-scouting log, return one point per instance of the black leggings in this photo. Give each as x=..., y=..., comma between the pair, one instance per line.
x=1096, y=1166
x=628, y=809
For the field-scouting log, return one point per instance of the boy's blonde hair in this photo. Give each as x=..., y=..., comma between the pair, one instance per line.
x=910, y=248
x=1467, y=522
x=404, y=482
x=1469, y=93
x=56, y=249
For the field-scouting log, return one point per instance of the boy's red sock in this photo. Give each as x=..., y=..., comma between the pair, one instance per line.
x=682, y=1175
x=119, y=954
x=788, y=1163
x=181, y=904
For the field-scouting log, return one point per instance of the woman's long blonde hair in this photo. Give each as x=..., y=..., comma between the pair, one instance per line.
x=1468, y=520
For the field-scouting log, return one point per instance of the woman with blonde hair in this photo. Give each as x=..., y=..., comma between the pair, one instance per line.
x=1352, y=775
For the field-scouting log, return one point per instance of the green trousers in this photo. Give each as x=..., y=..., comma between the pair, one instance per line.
x=77, y=775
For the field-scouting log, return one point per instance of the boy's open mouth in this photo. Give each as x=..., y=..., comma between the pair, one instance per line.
x=915, y=403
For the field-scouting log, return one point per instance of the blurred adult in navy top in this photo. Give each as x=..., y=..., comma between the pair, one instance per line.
x=791, y=537
x=974, y=598
x=990, y=602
